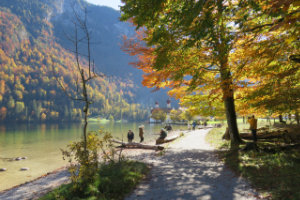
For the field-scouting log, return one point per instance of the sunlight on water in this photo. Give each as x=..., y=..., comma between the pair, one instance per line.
x=41, y=145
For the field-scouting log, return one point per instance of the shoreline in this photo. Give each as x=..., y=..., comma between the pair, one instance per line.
x=63, y=171
x=58, y=170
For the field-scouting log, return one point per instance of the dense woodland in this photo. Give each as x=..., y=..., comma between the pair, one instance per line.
x=29, y=54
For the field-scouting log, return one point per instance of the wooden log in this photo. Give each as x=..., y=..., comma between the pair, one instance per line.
x=266, y=135
x=134, y=145
x=162, y=141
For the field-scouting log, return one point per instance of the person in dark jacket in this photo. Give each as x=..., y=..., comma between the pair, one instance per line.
x=130, y=136
x=194, y=125
x=163, y=134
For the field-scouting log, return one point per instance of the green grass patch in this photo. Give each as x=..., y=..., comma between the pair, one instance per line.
x=276, y=175
x=99, y=120
x=115, y=180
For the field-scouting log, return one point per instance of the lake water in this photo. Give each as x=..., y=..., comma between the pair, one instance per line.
x=41, y=145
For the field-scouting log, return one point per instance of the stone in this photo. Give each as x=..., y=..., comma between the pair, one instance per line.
x=24, y=169
x=18, y=158
x=2, y=169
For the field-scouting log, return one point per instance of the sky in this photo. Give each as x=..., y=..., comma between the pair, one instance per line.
x=110, y=3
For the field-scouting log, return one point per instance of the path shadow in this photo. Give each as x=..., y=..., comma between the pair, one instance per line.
x=191, y=174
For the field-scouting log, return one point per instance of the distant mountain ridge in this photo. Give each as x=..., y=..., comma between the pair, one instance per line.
x=33, y=40
x=107, y=33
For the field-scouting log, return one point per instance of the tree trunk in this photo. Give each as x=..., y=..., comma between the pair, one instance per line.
x=290, y=118
x=231, y=121
x=280, y=118
x=85, y=110
x=228, y=98
x=227, y=85
x=297, y=117
x=226, y=135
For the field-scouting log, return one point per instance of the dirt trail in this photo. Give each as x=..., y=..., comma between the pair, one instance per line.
x=189, y=170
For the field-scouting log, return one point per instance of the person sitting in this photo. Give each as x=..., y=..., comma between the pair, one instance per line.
x=130, y=136
x=162, y=136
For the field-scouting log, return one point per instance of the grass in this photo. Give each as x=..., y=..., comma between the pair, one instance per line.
x=114, y=182
x=99, y=120
x=275, y=175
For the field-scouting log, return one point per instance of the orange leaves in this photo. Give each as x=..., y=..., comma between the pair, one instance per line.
x=178, y=92
x=3, y=113
x=2, y=87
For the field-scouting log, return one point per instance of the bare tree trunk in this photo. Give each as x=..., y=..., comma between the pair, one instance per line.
x=85, y=110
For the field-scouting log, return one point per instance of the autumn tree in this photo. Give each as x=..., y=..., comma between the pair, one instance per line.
x=204, y=105
x=159, y=114
x=3, y=112
x=187, y=115
x=175, y=115
x=270, y=44
x=217, y=47
x=190, y=39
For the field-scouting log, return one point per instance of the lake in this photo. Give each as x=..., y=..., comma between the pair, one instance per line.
x=41, y=144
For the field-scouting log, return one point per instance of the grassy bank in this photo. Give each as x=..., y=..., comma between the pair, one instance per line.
x=114, y=181
x=275, y=175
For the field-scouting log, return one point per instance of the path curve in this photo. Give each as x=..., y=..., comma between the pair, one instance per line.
x=190, y=170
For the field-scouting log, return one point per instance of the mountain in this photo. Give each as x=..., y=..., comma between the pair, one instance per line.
x=33, y=41
x=107, y=38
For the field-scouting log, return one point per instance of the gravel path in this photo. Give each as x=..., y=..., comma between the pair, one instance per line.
x=189, y=170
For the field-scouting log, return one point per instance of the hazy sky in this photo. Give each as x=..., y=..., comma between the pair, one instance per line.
x=111, y=3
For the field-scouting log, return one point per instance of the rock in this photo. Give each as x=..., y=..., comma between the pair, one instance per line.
x=24, y=169
x=2, y=169
x=18, y=158
x=24, y=158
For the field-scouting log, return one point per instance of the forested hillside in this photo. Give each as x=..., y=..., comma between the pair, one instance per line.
x=29, y=50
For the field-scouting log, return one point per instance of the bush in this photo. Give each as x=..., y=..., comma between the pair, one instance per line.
x=113, y=181
x=84, y=169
